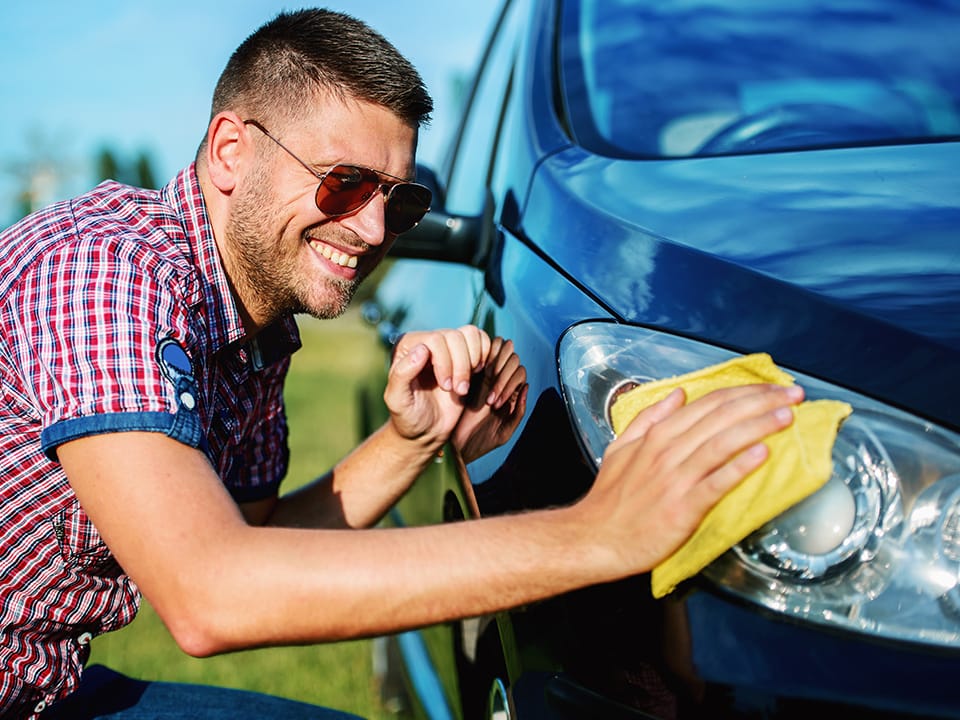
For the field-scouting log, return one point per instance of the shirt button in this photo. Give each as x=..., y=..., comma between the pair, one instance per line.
x=40, y=707
x=189, y=402
x=85, y=638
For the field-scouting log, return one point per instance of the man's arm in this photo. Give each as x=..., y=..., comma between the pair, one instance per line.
x=428, y=382
x=220, y=583
x=370, y=480
x=354, y=494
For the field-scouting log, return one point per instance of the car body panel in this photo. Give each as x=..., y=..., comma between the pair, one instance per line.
x=733, y=646
x=829, y=240
x=843, y=263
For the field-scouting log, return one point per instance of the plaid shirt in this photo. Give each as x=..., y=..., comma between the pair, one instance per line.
x=115, y=314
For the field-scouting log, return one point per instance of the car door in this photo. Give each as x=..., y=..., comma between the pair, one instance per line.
x=420, y=294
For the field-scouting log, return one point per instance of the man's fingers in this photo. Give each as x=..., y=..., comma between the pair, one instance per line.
x=712, y=488
x=455, y=354
x=518, y=406
x=406, y=367
x=707, y=446
x=725, y=445
x=694, y=425
x=510, y=375
x=441, y=359
x=411, y=362
x=468, y=347
x=648, y=417
x=480, y=344
x=733, y=441
x=734, y=470
x=501, y=351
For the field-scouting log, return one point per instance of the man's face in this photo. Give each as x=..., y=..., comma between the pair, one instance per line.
x=287, y=255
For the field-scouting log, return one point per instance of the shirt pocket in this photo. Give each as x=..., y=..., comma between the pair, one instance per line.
x=81, y=546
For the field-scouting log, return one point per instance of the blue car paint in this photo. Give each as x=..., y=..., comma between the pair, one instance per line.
x=423, y=676
x=843, y=263
x=738, y=647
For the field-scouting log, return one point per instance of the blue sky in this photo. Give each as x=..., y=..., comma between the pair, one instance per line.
x=138, y=75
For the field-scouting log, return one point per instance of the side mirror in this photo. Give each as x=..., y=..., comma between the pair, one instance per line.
x=441, y=236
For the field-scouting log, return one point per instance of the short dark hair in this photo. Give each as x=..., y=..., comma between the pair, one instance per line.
x=297, y=55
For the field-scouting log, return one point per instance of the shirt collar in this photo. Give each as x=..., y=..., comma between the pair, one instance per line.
x=185, y=196
x=278, y=340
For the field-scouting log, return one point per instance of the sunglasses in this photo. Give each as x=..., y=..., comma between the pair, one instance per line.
x=345, y=189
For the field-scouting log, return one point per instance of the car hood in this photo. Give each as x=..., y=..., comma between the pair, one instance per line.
x=842, y=263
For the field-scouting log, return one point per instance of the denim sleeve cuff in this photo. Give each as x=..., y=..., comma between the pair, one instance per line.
x=181, y=426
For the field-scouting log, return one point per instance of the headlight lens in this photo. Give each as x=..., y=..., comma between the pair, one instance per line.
x=876, y=550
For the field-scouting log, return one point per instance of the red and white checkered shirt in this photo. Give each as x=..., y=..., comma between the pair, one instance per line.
x=115, y=314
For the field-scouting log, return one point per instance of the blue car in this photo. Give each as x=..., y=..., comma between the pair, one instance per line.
x=641, y=189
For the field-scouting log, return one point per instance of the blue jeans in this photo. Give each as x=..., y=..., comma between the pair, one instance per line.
x=106, y=694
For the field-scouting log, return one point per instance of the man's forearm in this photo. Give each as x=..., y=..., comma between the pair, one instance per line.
x=361, y=488
x=220, y=583
x=315, y=586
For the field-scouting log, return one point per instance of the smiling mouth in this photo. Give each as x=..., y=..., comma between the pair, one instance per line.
x=338, y=258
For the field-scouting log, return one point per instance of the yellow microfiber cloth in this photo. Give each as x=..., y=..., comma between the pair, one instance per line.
x=799, y=462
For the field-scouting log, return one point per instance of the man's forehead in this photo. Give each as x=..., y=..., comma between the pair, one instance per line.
x=349, y=130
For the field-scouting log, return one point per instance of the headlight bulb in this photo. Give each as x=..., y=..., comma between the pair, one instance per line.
x=837, y=525
x=821, y=522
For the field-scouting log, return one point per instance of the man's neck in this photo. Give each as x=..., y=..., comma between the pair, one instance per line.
x=217, y=211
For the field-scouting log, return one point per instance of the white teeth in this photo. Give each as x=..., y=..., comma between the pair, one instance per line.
x=341, y=259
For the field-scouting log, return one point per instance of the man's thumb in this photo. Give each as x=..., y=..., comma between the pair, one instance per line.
x=412, y=363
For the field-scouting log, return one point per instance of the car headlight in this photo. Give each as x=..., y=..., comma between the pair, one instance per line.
x=876, y=550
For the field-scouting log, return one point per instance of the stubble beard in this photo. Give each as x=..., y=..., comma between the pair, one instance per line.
x=268, y=273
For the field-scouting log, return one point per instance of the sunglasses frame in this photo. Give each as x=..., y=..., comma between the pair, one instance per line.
x=386, y=188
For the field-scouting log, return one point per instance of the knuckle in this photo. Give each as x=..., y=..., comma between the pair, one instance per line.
x=718, y=446
x=656, y=435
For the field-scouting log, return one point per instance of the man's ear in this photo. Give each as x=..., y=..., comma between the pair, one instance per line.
x=227, y=143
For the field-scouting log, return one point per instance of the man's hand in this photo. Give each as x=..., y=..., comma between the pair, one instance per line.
x=674, y=462
x=496, y=404
x=429, y=379
x=427, y=390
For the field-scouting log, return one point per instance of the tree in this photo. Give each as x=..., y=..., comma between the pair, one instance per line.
x=138, y=171
x=107, y=167
x=144, y=171
x=47, y=174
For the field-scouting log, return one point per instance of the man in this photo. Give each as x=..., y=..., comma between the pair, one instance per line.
x=145, y=340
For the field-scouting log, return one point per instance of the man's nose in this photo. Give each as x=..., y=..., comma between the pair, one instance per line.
x=369, y=221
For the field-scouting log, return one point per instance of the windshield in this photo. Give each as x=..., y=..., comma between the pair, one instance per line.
x=711, y=77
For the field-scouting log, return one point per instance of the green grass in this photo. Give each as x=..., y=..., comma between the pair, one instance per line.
x=322, y=415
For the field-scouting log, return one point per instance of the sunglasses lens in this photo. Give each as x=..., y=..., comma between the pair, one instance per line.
x=406, y=206
x=345, y=188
